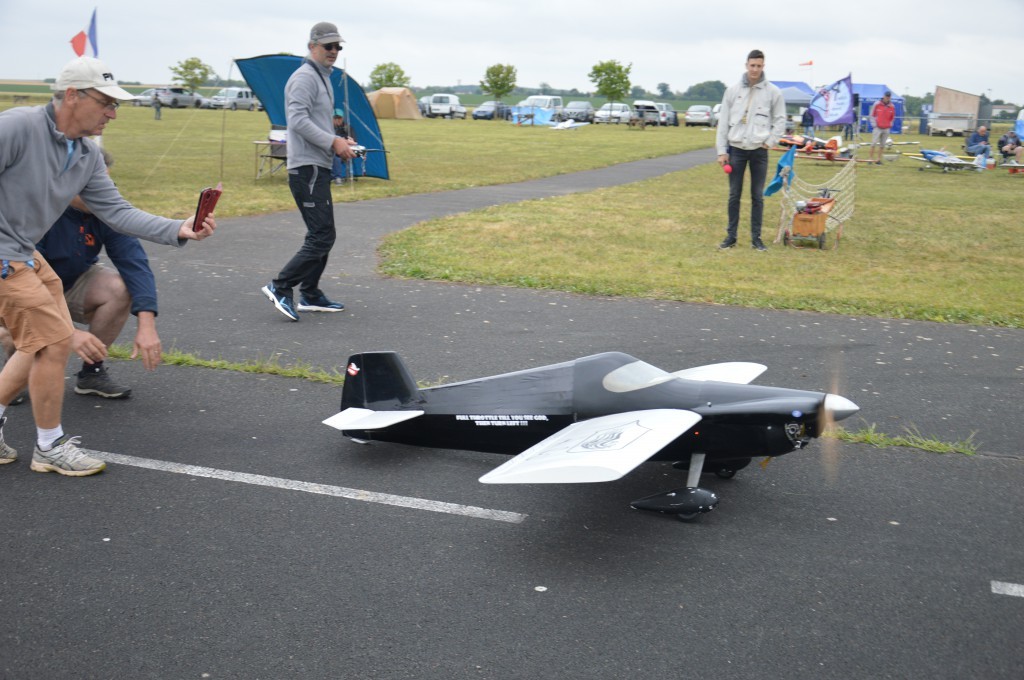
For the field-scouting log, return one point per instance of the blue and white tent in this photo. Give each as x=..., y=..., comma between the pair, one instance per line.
x=869, y=94
x=267, y=76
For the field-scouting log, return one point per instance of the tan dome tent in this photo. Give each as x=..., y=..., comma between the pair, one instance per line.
x=394, y=102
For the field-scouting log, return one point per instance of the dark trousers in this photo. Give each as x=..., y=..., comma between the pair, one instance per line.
x=311, y=188
x=757, y=160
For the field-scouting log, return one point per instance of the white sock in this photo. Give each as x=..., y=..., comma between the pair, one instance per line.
x=45, y=438
x=3, y=409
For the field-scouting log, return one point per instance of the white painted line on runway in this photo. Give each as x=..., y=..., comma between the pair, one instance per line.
x=1015, y=589
x=310, y=487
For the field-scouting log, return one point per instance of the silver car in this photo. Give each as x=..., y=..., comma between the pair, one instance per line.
x=698, y=114
x=144, y=98
x=178, y=97
x=616, y=112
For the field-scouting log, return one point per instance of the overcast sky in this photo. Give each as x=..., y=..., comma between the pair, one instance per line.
x=910, y=46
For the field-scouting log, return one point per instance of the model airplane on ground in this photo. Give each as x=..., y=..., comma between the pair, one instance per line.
x=591, y=420
x=567, y=124
x=944, y=159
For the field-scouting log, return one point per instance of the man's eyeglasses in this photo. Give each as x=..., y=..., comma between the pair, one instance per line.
x=333, y=47
x=109, y=106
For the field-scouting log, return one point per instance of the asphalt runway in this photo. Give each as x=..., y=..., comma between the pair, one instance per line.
x=235, y=536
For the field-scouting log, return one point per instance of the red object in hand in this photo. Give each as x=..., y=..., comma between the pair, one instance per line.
x=727, y=168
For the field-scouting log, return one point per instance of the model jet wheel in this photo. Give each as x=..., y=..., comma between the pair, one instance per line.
x=688, y=516
x=725, y=473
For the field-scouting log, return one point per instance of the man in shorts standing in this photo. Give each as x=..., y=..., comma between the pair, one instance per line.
x=46, y=159
x=883, y=113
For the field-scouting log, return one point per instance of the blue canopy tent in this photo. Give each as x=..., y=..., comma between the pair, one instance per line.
x=869, y=94
x=267, y=76
x=795, y=84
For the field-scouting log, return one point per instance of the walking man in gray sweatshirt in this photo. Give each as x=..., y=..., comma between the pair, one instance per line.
x=312, y=146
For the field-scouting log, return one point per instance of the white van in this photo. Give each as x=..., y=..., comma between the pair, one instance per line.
x=234, y=98
x=446, y=106
x=543, y=101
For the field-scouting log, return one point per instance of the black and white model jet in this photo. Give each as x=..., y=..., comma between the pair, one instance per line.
x=592, y=419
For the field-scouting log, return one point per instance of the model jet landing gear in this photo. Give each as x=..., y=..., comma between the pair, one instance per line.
x=688, y=503
x=722, y=469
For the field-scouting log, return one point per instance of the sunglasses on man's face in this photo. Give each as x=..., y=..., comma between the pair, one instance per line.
x=333, y=47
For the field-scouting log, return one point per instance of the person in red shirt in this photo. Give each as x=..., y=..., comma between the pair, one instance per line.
x=882, y=115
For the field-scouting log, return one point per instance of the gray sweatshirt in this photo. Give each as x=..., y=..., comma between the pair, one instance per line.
x=309, y=109
x=38, y=181
x=751, y=116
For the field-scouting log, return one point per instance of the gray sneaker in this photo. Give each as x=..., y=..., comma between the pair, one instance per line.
x=100, y=384
x=66, y=458
x=8, y=454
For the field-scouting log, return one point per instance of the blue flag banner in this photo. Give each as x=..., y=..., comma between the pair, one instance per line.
x=784, y=172
x=833, y=105
x=92, y=36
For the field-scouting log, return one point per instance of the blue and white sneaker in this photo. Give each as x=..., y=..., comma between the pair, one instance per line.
x=283, y=303
x=319, y=304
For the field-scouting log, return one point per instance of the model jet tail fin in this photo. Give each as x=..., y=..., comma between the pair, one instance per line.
x=378, y=381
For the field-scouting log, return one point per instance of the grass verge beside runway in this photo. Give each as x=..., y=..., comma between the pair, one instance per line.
x=925, y=245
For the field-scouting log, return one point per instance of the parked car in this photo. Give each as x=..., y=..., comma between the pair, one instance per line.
x=446, y=106
x=492, y=110
x=668, y=114
x=178, y=98
x=645, y=110
x=581, y=112
x=234, y=98
x=144, y=98
x=613, y=112
x=698, y=114
x=716, y=110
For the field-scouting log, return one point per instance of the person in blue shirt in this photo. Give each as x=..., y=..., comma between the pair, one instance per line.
x=101, y=298
x=978, y=146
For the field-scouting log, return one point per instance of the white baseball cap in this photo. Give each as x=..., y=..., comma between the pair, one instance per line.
x=86, y=73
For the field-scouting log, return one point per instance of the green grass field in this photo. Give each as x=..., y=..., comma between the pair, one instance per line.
x=921, y=245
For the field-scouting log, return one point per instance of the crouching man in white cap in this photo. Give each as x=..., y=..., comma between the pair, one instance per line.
x=46, y=159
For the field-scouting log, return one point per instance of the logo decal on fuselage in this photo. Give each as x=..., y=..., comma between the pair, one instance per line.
x=612, y=439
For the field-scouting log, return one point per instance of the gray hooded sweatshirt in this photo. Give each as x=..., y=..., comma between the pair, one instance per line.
x=38, y=179
x=309, y=109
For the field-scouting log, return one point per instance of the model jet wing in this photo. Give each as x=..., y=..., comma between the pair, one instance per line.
x=366, y=419
x=739, y=372
x=597, y=450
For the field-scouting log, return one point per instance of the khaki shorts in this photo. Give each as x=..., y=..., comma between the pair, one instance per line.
x=75, y=296
x=32, y=306
x=879, y=136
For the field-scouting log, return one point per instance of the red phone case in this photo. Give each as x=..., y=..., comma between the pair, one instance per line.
x=207, y=202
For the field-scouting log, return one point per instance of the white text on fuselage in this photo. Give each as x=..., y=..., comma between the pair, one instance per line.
x=503, y=421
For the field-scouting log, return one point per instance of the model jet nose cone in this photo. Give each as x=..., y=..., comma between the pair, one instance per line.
x=840, y=407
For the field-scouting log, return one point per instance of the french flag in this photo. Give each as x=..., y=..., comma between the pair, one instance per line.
x=78, y=42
